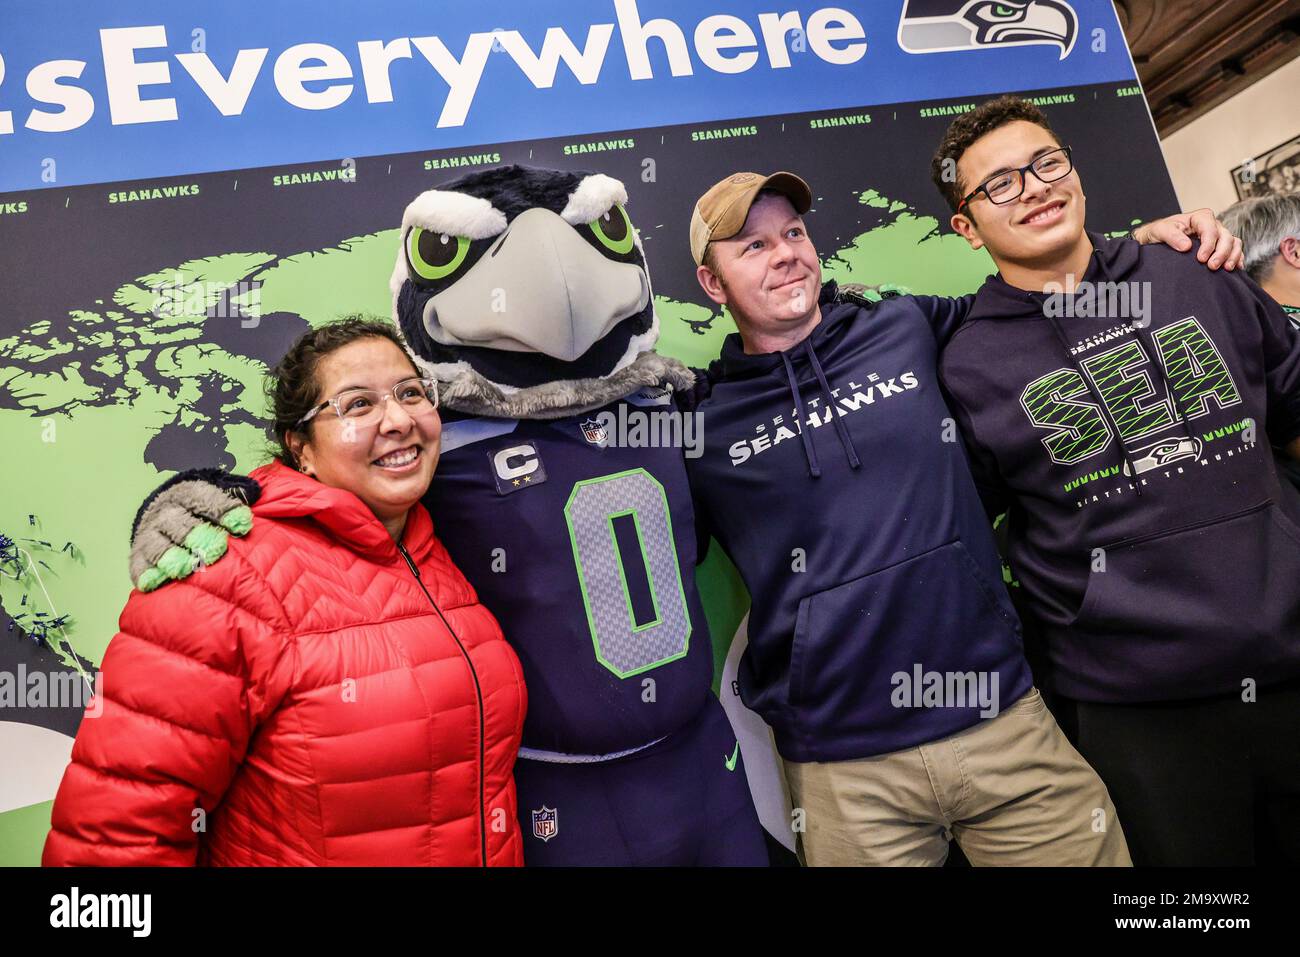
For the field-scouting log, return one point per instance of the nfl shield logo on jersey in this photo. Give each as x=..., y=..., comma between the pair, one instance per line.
x=546, y=823
x=594, y=432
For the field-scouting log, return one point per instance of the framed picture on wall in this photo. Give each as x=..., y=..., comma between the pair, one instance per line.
x=1276, y=171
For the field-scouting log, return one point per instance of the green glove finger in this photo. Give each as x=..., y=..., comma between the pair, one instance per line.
x=237, y=521
x=176, y=563
x=203, y=546
x=151, y=578
x=206, y=543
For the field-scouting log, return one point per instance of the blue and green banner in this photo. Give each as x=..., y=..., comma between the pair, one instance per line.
x=185, y=190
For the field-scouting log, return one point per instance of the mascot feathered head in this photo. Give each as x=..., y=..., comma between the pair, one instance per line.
x=525, y=293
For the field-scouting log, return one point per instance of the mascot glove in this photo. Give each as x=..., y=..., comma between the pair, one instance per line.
x=186, y=523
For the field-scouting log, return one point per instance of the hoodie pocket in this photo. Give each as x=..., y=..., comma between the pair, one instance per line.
x=936, y=610
x=1196, y=604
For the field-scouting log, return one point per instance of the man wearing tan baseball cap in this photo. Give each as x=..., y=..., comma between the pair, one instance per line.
x=883, y=649
x=721, y=212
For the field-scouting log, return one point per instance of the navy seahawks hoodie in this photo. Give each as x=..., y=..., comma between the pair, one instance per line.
x=1148, y=526
x=833, y=477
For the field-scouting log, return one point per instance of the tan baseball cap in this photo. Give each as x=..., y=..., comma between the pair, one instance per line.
x=721, y=212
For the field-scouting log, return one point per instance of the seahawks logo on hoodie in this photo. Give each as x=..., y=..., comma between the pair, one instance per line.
x=944, y=26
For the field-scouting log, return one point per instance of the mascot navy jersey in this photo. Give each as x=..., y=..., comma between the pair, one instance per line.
x=585, y=552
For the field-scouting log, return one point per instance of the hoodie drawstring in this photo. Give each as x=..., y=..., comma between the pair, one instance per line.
x=809, y=453
x=1158, y=362
x=842, y=430
x=1105, y=412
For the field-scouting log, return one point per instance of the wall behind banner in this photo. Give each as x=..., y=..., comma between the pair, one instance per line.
x=148, y=286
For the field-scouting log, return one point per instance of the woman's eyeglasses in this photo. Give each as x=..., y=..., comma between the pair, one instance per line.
x=1007, y=187
x=363, y=406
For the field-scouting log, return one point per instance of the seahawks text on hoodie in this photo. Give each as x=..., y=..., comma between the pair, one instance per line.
x=1148, y=526
x=832, y=475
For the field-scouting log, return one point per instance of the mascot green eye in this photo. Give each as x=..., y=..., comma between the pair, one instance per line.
x=614, y=230
x=432, y=255
x=1003, y=11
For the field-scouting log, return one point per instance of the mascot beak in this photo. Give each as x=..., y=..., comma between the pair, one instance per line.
x=540, y=288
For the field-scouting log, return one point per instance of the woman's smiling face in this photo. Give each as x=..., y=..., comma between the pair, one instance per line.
x=387, y=461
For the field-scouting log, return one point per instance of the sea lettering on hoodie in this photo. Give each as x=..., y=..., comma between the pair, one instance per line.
x=1126, y=386
x=1062, y=403
x=1195, y=367
x=1078, y=429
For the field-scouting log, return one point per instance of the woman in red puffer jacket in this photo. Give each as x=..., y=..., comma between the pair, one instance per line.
x=335, y=694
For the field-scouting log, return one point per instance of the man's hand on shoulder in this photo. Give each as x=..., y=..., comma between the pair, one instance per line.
x=1219, y=247
x=186, y=523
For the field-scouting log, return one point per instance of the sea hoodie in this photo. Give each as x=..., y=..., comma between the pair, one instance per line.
x=833, y=476
x=1128, y=426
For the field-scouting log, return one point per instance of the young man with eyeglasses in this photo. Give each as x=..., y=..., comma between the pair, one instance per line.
x=1113, y=397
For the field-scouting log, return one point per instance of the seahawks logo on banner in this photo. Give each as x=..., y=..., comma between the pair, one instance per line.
x=942, y=26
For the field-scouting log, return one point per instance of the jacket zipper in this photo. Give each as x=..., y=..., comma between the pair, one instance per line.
x=478, y=693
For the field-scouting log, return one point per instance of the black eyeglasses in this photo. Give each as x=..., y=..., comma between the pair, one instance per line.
x=1007, y=187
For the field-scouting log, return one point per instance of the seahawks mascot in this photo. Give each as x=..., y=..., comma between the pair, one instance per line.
x=525, y=293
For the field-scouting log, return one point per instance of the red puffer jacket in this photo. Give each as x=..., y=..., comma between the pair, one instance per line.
x=309, y=697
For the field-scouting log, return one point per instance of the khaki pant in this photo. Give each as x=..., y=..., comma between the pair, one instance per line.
x=1011, y=790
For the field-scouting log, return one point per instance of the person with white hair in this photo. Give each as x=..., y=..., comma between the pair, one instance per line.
x=1269, y=227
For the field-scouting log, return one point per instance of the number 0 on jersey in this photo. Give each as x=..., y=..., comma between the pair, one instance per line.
x=626, y=560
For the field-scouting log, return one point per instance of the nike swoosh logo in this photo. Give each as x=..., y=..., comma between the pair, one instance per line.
x=731, y=761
